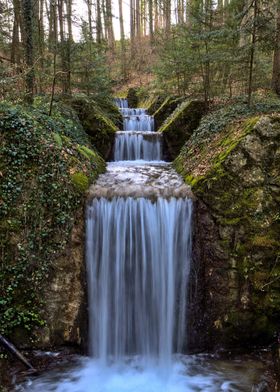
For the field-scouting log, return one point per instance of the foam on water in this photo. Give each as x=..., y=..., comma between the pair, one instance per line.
x=187, y=374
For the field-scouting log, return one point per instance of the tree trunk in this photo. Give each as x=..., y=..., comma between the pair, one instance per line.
x=123, y=54
x=252, y=53
x=15, y=55
x=98, y=22
x=151, y=21
x=27, y=7
x=276, y=56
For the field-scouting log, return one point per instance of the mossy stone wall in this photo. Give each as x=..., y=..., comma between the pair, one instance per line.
x=178, y=127
x=235, y=177
x=99, y=127
x=166, y=108
x=43, y=178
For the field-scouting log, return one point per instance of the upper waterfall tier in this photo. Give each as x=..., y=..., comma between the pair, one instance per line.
x=133, y=145
x=139, y=179
x=141, y=122
x=121, y=103
x=133, y=111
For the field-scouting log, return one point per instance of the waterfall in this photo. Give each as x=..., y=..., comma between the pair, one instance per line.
x=137, y=145
x=138, y=250
x=138, y=253
x=138, y=258
x=137, y=141
x=121, y=103
x=141, y=123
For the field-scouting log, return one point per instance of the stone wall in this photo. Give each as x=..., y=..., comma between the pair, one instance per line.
x=179, y=126
x=235, y=285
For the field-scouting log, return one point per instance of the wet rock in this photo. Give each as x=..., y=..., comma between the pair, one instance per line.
x=65, y=309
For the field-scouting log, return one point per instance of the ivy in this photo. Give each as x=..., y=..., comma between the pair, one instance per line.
x=37, y=205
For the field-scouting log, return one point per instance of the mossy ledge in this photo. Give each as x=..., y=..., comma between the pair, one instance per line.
x=98, y=125
x=234, y=173
x=43, y=178
x=178, y=127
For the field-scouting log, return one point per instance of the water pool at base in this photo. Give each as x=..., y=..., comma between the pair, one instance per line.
x=186, y=374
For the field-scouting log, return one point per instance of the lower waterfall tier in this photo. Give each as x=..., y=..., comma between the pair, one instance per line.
x=138, y=260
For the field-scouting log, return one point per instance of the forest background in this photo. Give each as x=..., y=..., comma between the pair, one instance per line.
x=212, y=50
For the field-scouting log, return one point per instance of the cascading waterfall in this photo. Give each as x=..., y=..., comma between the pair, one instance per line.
x=138, y=261
x=140, y=123
x=137, y=141
x=138, y=250
x=138, y=255
x=138, y=145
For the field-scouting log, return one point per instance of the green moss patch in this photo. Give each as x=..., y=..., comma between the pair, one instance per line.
x=179, y=126
x=80, y=181
x=99, y=127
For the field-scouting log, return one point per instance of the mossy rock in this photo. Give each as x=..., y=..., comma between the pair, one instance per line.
x=132, y=97
x=80, y=181
x=44, y=175
x=166, y=108
x=232, y=172
x=179, y=126
x=154, y=104
x=98, y=126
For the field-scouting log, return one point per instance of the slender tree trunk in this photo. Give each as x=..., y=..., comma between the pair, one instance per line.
x=138, y=19
x=89, y=8
x=27, y=7
x=109, y=25
x=123, y=54
x=15, y=54
x=98, y=22
x=151, y=21
x=132, y=26
x=276, y=56
x=69, y=43
x=252, y=53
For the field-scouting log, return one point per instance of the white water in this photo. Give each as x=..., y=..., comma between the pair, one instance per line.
x=133, y=145
x=138, y=260
x=139, y=123
x=138, y=256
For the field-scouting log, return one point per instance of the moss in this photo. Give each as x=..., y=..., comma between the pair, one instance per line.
x=179, y=126
x=165, y=110
x=242, y=202
x=92, y=156
x=97, y=124
x=57, y=138
x=230, y=221
x=39, y=200
x=80, y=181
x=264, y=241
x=204, y=165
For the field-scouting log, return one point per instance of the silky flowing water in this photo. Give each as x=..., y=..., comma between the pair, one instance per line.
x=138, y=253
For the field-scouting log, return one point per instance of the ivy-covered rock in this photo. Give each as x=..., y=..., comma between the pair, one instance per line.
x=179, y=126
x=234, y=173
x=43, y=178
x=99, y=127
